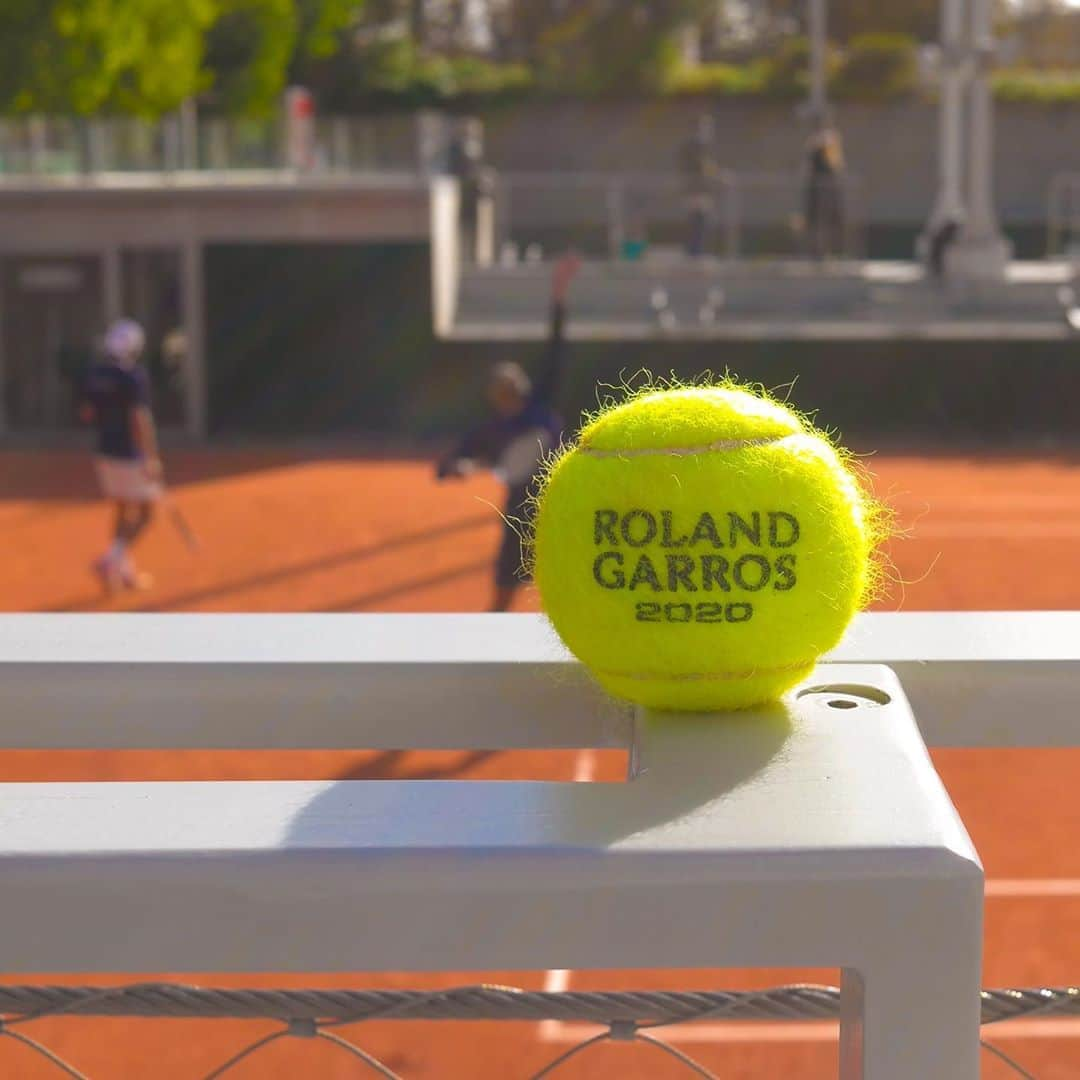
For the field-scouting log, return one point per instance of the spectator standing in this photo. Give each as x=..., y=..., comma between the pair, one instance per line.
x=465, y=162
x=700, y=172
x=824, y=192
x=941, y=239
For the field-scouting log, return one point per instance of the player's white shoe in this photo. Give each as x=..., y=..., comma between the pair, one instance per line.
x=136, y=580
x=108, y=573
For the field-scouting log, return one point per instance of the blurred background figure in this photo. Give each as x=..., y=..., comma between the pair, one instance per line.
x=940, y=240
x=116, y=400
x=700, y=171
x=525, y=428
x=465, y=162
x=635, y=236
x=824, y=192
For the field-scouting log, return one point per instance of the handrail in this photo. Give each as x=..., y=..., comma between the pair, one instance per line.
x=1062, y=212
x=990, y=679
x=611, y=198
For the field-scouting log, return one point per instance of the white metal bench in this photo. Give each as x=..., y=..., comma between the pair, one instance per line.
x=817, y=834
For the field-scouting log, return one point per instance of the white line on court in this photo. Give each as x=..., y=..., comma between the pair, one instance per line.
x=557, y=980
x=1034, y=888
x=804, y=1031
x=585, y=767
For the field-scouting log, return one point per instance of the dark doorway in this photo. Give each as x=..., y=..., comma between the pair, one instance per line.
x=51, y=321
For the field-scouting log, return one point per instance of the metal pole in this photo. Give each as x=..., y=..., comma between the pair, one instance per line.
x=98, y=145
x=194, y=323
x=732, y=213
x=485, y=229
x=983, y=216
x=189, y=135
x=1053, y=215
x=217, y=148
x=616, y=209
x=949, y=203
x=170, y=142
x=503, y=210
x=817, y=103
x=39, y=144
x=980, y=251
x=112, y=274
x=340, y=144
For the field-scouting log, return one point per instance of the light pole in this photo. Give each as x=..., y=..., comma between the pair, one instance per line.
x=981, y=252
x=949, y=202
x=817, y=103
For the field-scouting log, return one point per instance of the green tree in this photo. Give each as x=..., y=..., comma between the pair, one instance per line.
x=877, y=67
x=248, y=50
x=80, y=56
x=849, y=18
x=601, y=45
x=255, y=45
x=320, y=24
x=147, y=56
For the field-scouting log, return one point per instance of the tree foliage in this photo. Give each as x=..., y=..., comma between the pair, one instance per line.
x=589, y=46
x=256, y=45
x=392, y=72
x=248, y=50
x=877, y=67
x=79, y=56
x=598, y=46
x=921, y=19
x=147, y=56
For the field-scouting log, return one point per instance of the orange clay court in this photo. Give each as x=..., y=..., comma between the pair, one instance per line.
x=294, y=530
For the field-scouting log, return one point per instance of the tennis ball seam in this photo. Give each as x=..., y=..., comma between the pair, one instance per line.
x=719, y=445
x=702, y=676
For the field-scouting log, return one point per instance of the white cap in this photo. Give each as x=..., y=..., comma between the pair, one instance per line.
x=125, y=340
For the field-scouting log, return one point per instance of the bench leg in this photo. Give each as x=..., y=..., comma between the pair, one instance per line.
x=900, y=1019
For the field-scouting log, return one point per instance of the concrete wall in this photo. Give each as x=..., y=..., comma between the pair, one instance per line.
x=86, y=214
x=108, y=220
x=316, y=338
x=892, y=147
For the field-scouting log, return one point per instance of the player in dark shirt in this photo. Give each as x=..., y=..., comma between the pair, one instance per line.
x=524, y=430
x=116, y=400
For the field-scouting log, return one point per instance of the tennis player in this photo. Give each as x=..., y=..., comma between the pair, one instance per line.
x=116, y=400
x=525, y=428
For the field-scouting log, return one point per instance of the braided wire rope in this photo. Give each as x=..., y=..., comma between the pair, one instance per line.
x=627, y=1015
x=22, y=1004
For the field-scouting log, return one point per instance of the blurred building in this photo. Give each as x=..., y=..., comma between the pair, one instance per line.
x=120, y=220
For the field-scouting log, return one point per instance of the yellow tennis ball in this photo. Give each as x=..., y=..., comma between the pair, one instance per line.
x=698, y=548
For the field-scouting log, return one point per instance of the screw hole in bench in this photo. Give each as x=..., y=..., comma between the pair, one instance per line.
x=847, y=695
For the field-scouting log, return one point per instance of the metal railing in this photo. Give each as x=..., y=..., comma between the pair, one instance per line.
x=303, y=875
x=1063, y=216
x=621, y=1016
x=52, y=147
x=635, y=215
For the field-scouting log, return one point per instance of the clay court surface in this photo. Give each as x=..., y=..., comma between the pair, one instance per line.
x=342, y=531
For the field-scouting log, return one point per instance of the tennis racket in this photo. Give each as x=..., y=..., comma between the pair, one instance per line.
x=521, y=458
x=182, y=525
